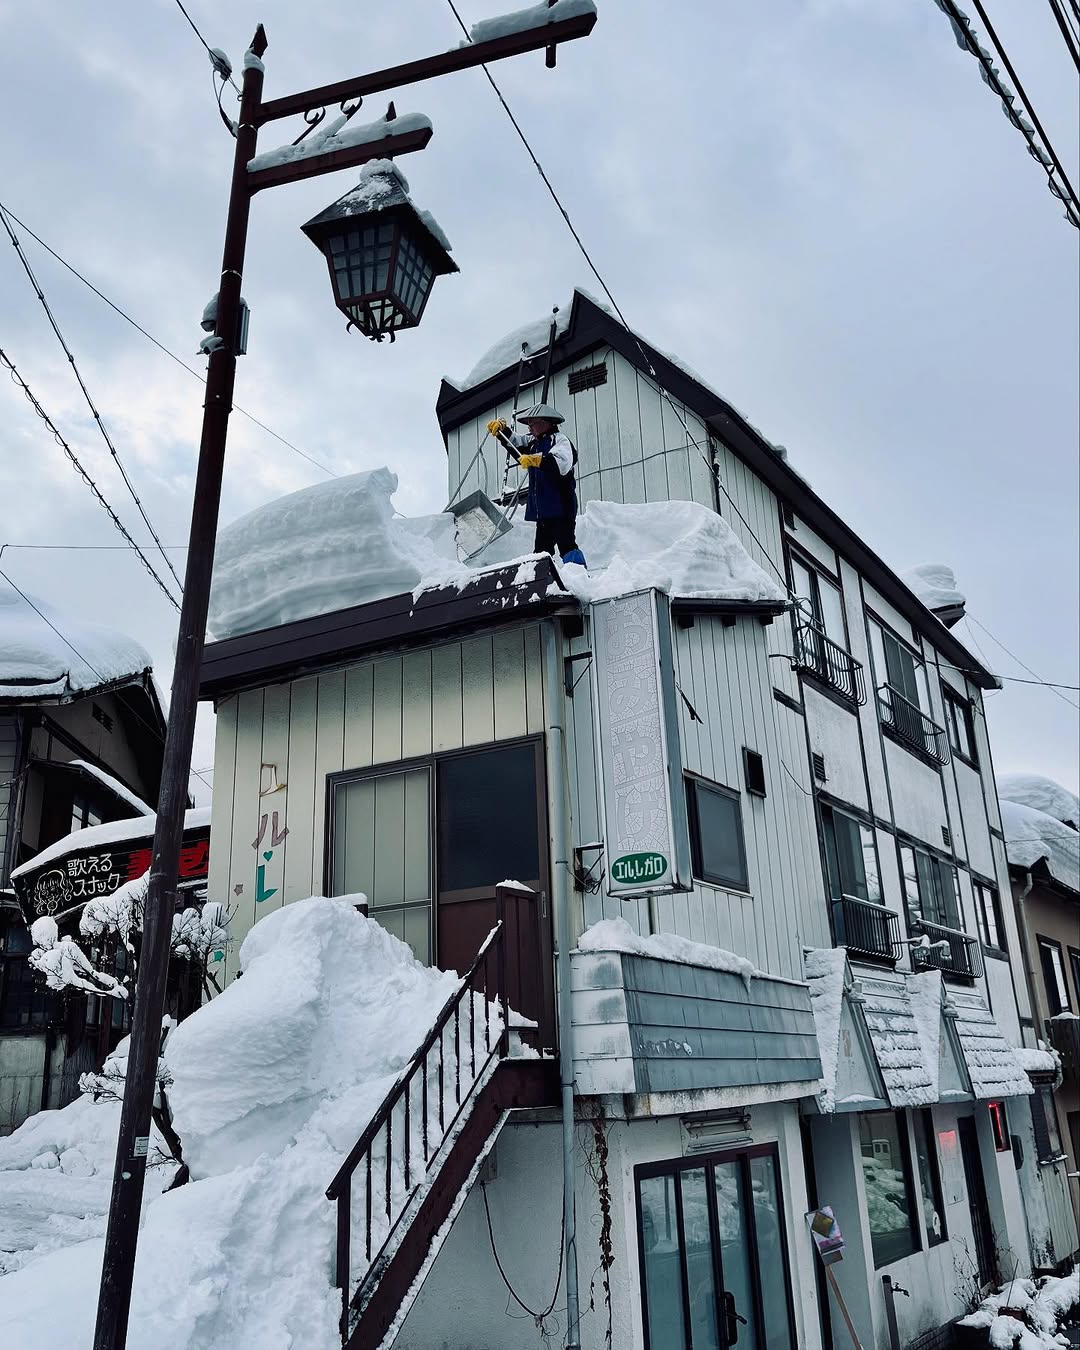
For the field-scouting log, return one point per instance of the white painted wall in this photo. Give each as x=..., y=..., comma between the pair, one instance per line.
x=464, y=1301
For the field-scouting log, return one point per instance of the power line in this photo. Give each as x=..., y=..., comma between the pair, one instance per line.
x=1069, y=32
x=1038, y=143
x=86, y=392
x=209, y=50
x=18, y=379
x=1050, y=684
x=160, y=346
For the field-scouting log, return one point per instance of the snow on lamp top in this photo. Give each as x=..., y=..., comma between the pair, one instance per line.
x=36, y=662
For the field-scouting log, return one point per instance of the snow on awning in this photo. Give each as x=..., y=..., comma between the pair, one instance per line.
x=992, y=1064
x=898, y=1041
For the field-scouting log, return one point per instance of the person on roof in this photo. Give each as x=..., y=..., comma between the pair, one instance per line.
x=549, y=458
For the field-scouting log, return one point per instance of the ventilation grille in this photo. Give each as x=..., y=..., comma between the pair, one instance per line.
x=100, y=715
x=754, y=772
x=787, y=515
x=946, y=836
x=588, y=378
x=819, y=767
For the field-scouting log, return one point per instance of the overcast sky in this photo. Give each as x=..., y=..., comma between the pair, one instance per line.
x=817, y=205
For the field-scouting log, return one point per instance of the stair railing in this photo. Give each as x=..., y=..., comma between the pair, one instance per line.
x=438, y=1084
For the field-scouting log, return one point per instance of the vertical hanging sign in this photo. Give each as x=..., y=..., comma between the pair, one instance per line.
x=639, y=762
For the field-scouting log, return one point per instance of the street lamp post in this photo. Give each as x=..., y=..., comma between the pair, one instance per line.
x=125, y=1202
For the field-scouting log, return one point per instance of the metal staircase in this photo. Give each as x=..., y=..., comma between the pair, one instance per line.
x=403, y=1182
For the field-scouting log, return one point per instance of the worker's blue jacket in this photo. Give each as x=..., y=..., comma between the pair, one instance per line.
x=552, y=486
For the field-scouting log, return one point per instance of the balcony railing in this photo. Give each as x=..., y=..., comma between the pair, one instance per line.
x=828, y=660
x=869, y=931
x=911, y=725
x=950, y=951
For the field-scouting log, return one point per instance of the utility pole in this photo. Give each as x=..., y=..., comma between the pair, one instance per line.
x=125, y=1203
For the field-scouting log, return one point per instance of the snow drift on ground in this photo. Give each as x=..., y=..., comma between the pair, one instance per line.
x=273, y=1082
x=338, y=544
x=934, y=584
x=1027, y=1314
x=35, y=662
x=1032, y=836
x=1041, y=794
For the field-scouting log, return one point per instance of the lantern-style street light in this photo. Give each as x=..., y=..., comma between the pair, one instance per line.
x=416, y=253
x=383, y=254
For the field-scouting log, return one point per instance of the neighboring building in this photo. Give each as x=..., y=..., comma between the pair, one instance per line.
x=81, y=739
x=804, y=792
x=1040, y=820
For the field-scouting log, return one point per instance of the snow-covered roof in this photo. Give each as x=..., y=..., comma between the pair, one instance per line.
x=339, y=544
x=37, y=663
x=935, y=585
x=616, y=935
x=899, y=1042
x=115, y=786
x=1033, y=837
x=1038, y=1061
x=1041, y=794
x=113, y=833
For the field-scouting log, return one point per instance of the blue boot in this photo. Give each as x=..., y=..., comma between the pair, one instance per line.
x=575, y=555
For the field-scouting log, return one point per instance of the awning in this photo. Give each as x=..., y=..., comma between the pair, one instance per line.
x=991, y=1063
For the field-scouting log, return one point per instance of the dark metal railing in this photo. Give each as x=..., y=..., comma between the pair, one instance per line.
x=826, y=659
x=1064, y=1036
x=866, y=929
x=418, y=1115
x=950, y=950
x=911, y=724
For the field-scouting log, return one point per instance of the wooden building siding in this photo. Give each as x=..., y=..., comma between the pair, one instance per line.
x=377, y=711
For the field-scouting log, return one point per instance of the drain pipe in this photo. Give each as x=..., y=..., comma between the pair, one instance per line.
x=1020, y=910
x=558, y=810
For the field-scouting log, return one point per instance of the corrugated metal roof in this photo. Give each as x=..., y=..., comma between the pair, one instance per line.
x=898, y=1047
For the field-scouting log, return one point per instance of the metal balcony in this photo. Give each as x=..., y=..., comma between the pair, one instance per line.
x=911, y=725
x=868, y=931
x=821, y=656
x=951, y=951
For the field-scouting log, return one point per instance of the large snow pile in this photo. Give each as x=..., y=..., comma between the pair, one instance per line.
x=935, y=585
x=1032, y=837
x=1028, y=1314
x=339, y=544
x=273, y=1082
x=35, y=662
x=1041, y=794
x=825, y=969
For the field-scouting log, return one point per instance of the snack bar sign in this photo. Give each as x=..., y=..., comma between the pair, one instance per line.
x=646, y=837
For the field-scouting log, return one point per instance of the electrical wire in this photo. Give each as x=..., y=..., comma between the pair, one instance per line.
x=1015, y=679
x=209, y=49
x=87, y=479
x=160, y=346
x=1032, y=132
x=1068, y=30
x=538, y=1317
x=86, y=392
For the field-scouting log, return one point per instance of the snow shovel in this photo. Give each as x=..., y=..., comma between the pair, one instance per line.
x=478, y=522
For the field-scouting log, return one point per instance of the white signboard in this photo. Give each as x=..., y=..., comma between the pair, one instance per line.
x=643, y=806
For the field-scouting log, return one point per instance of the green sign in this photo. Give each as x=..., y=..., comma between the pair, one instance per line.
x=636, y=869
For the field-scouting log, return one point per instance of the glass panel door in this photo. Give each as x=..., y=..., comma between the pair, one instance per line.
x=661, y=1256
x=736, y=1255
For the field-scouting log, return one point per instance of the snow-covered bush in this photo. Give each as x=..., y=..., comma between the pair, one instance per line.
x=1027, y=1314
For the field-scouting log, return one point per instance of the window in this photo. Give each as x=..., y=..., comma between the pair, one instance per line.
x=716, y=834
x=887, y=1177
x=931, y=888
x=488, y=824
x=1053, y=969
x=904, y=695
x=83, y=814
x=960, y=725
x=929, y=1176
x=713, y=1254
x=24, y=1000
x=852, y=856
x=988, y=915
x=392, y=810
x=1074, y=961
x=1045, y=1124
x=820, y=635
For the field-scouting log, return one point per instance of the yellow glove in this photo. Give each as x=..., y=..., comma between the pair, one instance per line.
x=497, y=426
x=529, y=461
